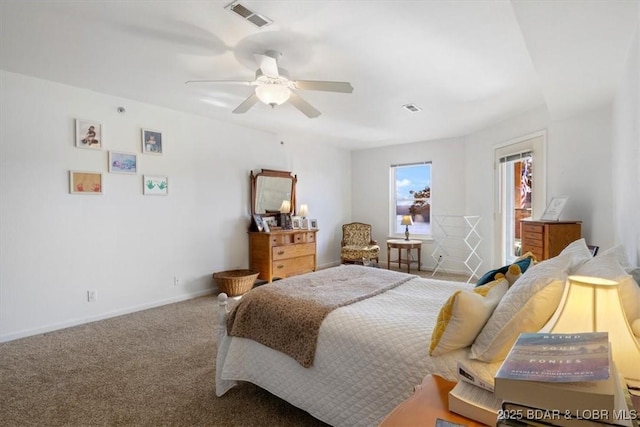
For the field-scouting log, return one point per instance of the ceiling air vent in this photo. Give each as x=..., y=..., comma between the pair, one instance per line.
x=248, y=14
x=412, y=107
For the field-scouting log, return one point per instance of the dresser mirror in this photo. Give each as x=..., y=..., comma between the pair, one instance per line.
x=269, y=189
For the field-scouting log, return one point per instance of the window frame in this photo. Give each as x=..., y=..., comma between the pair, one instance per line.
x=396, y=231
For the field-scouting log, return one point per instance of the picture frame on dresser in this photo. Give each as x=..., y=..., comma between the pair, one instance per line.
x=296, y=222
x=554, y=208
x=258, y=222
x=313, y=224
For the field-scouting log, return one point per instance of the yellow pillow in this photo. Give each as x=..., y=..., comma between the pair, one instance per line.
x=464, y=315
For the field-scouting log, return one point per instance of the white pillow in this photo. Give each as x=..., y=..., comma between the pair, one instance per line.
x=526, y=307
x=620, y=254
x=607, y=266
x=463, y=315
x=580, y=253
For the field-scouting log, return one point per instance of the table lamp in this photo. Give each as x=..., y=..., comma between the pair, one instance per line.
x=406, y=221
x=592, y=304
x=304, y=211
x=285, y=207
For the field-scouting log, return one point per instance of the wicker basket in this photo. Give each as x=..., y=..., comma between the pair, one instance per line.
x=235, y=282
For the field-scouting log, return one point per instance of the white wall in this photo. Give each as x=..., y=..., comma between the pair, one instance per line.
x=626, y=154
x=370, y=185
x=578, y=165
x=55, y=246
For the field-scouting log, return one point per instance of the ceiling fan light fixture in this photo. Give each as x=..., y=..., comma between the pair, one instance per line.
x=273, y=94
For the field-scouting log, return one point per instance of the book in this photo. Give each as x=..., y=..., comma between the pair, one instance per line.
x=474, y=403
x=559, y=372
x=624, y=415
x=475, y=377
x=558, y=357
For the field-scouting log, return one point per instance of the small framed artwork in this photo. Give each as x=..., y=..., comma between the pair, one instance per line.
x=123, y=162
x=257, y=220
x=304, y=224
x=270, y=222
x=88, y=134
x=151, y=141
x=155, y=185
x=313, y=224
x=554, y=209
x=296, y=223
x=265, y=226
x=85, y=182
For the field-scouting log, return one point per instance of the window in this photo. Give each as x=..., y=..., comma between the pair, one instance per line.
x=411, y=186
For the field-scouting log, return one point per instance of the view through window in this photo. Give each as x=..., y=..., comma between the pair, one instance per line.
x=411, y=196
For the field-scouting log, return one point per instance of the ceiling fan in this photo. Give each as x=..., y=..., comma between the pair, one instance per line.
x=274, y=86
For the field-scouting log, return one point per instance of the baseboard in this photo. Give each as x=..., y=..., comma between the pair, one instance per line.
x=103, y=316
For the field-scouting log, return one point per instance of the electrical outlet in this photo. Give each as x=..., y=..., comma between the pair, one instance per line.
x=92, y=295
x=177, y=281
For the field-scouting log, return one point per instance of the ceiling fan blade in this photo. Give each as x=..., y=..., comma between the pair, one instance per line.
x=343, y=87
x=246, y=104
x=268, y=63
x=302, y=105
x=227, y=82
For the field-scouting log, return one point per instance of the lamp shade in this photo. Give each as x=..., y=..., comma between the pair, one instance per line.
x=304, y=210
x=406, y=220
x=592, y=304
x=273, y=94
x=285, y=207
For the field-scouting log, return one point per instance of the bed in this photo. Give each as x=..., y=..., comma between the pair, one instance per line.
x=369, y=355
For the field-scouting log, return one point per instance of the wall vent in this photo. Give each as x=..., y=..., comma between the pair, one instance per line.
x=248, y=14
x=412, y=107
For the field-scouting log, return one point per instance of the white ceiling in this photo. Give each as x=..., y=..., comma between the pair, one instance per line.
x=466, y=63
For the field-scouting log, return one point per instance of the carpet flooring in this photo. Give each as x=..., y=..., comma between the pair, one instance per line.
x=151, y=368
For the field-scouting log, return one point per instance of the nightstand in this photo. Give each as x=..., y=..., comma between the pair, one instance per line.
x=429, y=402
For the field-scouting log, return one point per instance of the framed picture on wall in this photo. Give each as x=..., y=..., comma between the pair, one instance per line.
x=123, y=162
x=151, y=141
x=85, y=182
x=155, y=185
x=88, y=134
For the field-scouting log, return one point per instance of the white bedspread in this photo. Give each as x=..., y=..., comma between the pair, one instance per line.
x=369, y=357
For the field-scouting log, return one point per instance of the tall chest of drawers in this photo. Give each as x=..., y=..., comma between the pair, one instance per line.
x=546, y=239
x=282, y=253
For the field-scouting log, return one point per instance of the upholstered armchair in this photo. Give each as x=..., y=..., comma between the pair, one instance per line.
x=357, y=243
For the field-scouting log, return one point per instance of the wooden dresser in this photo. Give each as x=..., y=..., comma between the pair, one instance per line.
x=546, y=239
x=282, y=253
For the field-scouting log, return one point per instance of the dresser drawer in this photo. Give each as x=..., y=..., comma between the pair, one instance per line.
x=292, y=251
x=293, y=266
x=532, y=237
x=532, y=228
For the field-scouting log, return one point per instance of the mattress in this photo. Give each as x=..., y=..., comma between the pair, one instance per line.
x=369, y=357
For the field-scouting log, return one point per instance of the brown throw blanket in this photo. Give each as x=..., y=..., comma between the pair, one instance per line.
x=286, y=315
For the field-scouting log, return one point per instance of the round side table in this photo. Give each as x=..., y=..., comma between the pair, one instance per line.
x=408, y=245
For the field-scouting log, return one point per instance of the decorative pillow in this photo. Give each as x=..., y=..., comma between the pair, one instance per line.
x=580, y=253
x=463, y=316
x=526, y=307
x=607, y=266
x=523, y=262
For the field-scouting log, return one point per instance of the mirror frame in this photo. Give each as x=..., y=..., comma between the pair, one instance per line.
x=275, y=174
